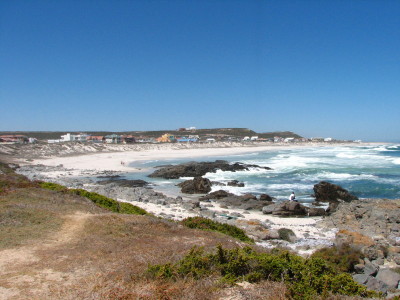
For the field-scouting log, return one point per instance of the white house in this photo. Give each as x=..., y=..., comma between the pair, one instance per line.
x=246, y=138
x=254, y=138
x=210, y=140
x=289, y=140
x=74, y=137
x=328, y=139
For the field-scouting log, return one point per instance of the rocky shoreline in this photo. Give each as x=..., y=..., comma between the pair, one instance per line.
x=371, y=226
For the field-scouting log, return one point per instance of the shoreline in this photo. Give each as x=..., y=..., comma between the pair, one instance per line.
x=120, y=160
x=70, y=170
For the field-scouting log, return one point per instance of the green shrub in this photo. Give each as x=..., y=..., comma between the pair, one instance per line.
x=100, y=200
x=305, y=278
x=53, y=186
x=207, y=224
x=343, y=258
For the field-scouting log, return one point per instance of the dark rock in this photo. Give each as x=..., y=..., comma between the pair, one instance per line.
x=216, y=195
x=328, y=192
x=235, y=183
x=125, y=182
x=198, y=185
x=265, y=197
x=197, y=169
x=286, y=208
x=360, y=278
x=376, y=285
x=388, y=277
x=316, y=211
x=246, y=197
x=287, y=235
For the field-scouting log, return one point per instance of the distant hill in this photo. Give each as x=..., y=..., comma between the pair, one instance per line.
x=235, y=132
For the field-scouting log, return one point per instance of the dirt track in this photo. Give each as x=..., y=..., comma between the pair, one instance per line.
x=24, y=272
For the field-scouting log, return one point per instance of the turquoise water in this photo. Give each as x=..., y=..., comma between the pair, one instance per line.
x=367, y=172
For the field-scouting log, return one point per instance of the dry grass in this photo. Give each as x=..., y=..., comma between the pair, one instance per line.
x=357, y=238
x=61, y=246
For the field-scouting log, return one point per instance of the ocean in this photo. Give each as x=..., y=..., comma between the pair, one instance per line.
x=365, y=171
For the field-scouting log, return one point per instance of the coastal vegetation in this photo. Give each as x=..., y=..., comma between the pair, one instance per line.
x=304, y=278
x=100, y=200
x=207, y=224
x=97, y=248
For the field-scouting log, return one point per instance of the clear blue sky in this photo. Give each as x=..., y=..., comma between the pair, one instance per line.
x=319, y=68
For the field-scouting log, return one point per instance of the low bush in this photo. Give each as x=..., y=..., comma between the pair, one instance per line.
x=100, y=200
x=305, y=278
x=342, y=258
x=207, y=224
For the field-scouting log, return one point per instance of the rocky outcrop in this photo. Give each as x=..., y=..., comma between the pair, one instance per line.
x=197, y=169
x=377, y=278
x=235, y=183
x=371, y=226
x=198, y=185
x=125, y=182
x=291, y=208
x=328, y=192
x=246, y=201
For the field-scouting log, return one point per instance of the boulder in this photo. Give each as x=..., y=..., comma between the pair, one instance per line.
x=235, y=183
x=197, y=169
x=370, y=269
x=360, y=278
x=192, y=204
x=198, y=185
x=286, y=208
x=287, y=234
x=376, y=285
x=328, y=192
x=388, y=277
x=316, y=211
x=124, y=182
x=246, y=197
x=265, y=197
x=216, y=195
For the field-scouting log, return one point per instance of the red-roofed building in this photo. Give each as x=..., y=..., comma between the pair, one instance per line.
x=18, y=139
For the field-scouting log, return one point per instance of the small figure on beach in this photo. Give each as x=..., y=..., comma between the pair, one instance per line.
x=122, y=163
x=292, y=197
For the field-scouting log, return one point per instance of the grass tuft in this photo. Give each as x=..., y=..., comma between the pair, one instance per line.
x=207, y=224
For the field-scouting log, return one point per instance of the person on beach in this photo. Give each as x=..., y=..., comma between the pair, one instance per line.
x=292, y=197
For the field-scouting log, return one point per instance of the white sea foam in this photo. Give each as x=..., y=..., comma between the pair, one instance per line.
x=288, y=186
x=336, y=176
x=396, y=161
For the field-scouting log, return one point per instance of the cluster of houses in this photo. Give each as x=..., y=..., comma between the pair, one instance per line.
x=82, y=137
x=16, y=139
x=165, y=138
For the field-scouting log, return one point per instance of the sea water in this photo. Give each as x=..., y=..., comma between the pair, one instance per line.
x=365, y=171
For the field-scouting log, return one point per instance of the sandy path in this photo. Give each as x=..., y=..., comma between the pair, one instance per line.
x=21, y=269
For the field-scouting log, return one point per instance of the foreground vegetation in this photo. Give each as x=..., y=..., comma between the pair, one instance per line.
x=305, y=278
x=207, y=224
x=74, y=244
x=100, y=200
